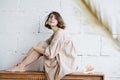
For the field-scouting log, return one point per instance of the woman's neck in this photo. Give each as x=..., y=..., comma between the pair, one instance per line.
x=55, y=28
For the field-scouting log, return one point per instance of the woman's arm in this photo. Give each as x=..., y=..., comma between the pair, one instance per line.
x=40, y=50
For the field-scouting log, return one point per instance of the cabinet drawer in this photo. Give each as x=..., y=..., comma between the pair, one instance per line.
x=82, y=76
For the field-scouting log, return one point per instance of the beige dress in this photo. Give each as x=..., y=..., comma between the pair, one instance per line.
x=60, y=56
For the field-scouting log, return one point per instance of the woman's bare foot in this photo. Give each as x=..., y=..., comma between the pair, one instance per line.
x=17, y=68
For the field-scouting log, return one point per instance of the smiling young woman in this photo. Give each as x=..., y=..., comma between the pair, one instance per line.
x=58, y=51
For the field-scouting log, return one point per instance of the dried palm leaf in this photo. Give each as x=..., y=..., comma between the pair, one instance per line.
x=94, y=19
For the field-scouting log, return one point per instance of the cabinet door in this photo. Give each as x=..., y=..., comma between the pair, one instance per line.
x=91, y=78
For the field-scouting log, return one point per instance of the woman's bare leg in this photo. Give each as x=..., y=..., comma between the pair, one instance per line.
x=31, y=56
x=29, y=52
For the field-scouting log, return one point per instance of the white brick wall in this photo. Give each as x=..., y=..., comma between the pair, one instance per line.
x=22, y=26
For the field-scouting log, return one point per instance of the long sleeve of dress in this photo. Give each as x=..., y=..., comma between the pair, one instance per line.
x=53, y=49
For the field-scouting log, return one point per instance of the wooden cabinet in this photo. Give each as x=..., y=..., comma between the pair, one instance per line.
x=5, y=75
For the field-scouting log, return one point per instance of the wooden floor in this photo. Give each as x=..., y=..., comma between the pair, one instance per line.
x=6, y=75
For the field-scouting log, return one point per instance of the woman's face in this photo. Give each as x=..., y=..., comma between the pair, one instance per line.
x=52, y=21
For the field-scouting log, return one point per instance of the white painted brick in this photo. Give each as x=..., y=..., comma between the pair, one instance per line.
x=26, y=41
x=68, y=8
x=76, y=39
x=9, y=60
x=19, y=22
x=87, y=44
x=9, y=5
x=8, y=47
x=20, y=42
x=8, y=43
x=108, y=48
x=109, y=65
x=68, y=14
x=74, y=18
x=40, y=5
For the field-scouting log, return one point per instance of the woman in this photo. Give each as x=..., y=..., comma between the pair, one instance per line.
x=58, y=51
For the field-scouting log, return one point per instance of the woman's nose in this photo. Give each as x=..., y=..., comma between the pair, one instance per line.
x=52, y=17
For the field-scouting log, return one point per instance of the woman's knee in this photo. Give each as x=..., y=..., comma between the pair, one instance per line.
x=42, y=44
x=36, y=51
